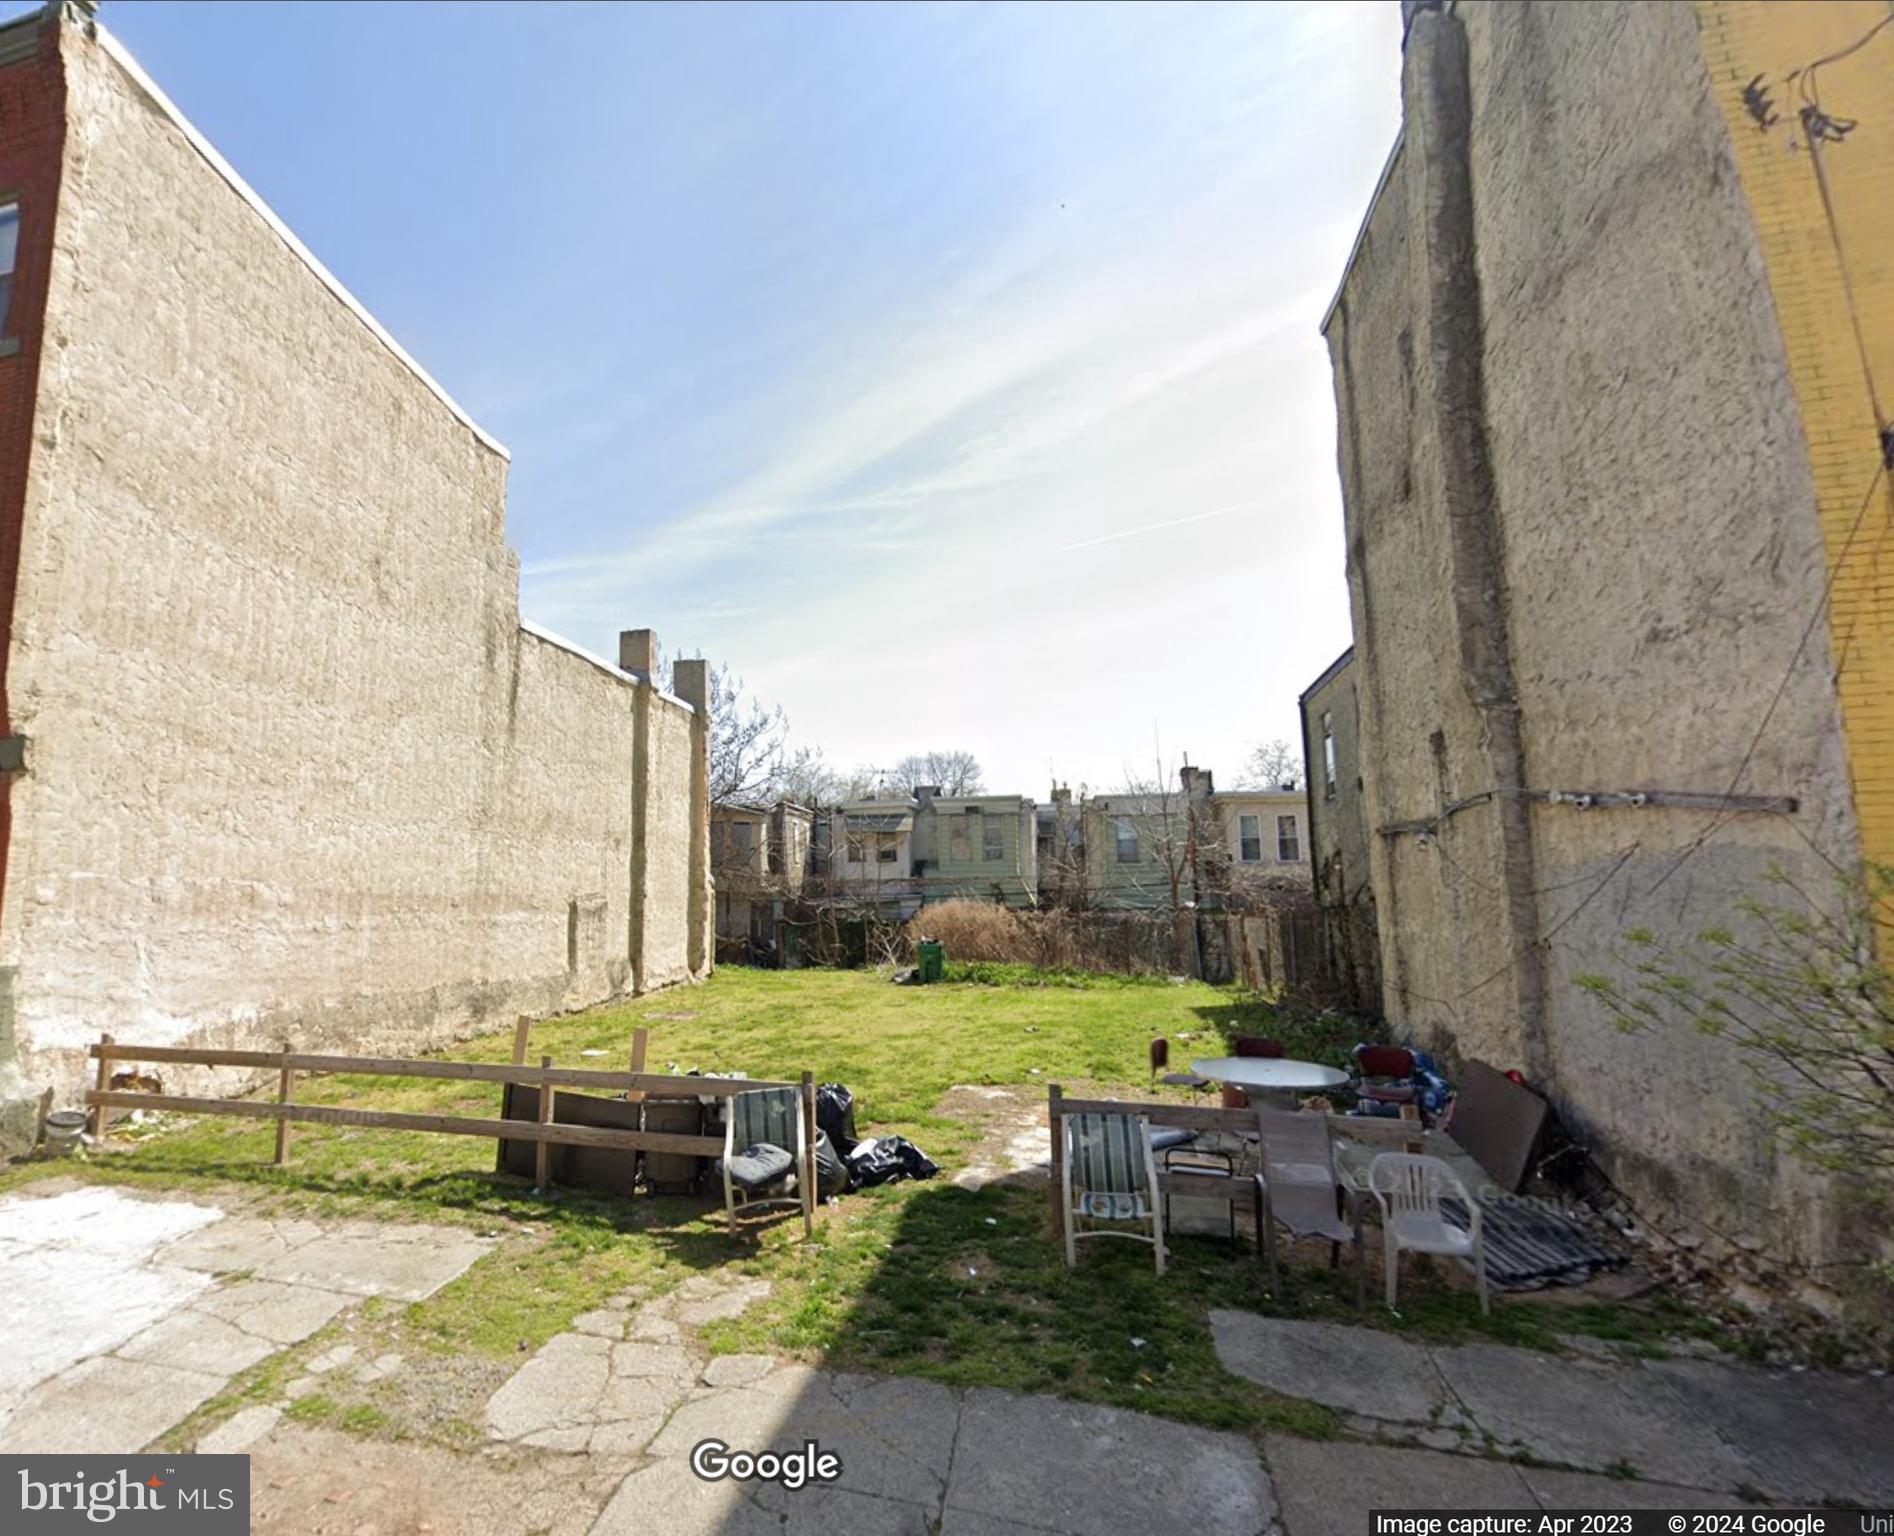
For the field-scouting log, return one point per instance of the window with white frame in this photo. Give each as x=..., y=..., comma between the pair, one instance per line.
x=1249, y=833
x=1126, y=834
x=992, y=838
x=960, y=839
x=887, y=848
x=857, y=848
x=1328, y=756
x=1288, y=840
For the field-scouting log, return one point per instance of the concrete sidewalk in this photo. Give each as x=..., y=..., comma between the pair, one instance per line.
x=124, y=1315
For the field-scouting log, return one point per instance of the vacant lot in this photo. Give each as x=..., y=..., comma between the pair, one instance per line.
x=933, y=1279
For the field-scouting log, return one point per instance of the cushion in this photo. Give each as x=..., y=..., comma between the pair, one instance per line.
x=1165, y=1136
x=1102, y=1206
x=757, y=1166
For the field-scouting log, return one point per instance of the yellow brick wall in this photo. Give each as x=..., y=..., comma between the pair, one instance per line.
x=1811, y=272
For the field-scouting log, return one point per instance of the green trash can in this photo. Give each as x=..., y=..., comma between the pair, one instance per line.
x=931, y=956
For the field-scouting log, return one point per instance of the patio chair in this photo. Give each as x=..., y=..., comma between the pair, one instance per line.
x=1410, y=1189
x=1260, y=1047
x=1161, y=1058
x=763, y=1151
x=1299, y=1186
x=1384, y=1074
x=1110, y=1175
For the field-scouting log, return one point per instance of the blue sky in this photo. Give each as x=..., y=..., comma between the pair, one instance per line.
x=951, y=372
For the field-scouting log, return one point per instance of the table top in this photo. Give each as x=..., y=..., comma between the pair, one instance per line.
x=1269, y=1072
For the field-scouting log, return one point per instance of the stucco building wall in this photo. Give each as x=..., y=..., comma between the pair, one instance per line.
x=295, y=769
x=1338, y=837
x=1581, y=518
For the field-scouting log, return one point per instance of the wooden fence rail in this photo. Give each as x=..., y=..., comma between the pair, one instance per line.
x=637, y=1086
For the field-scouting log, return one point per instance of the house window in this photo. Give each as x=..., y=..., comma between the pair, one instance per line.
x=1249, y=830
x=886, y=850
x=1127, y=836
x=742, y=841
x=9, y=249
x=1328, y=756
x=993, y=839
x=1288, y=840
x=857, y=849
x=959, y=840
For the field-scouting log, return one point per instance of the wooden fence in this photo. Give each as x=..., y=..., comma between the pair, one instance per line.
x=545, y=1132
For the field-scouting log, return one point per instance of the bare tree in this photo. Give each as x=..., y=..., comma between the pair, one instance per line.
x=808, y=778
x=1143, y=843
x=1271, y=765
x=956, y=772
x=747, y=738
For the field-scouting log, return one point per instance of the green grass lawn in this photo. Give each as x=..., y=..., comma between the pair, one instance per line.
x=928, y=1279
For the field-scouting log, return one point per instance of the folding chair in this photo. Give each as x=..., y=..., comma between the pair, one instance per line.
x=764, y=1148
x=1110, y=1175
x=1299, y=1185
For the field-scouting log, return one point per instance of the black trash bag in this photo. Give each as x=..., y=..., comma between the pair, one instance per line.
x=831, y=1171
x=835, y=1113
x=888, y=1158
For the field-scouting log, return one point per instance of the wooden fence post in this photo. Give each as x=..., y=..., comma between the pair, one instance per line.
x=285, y=1091
x=805, y=1175
x=100, y=1114
x=639, y=1039
x=542, y=1150
x=522, y=1031
x=1054, y=1095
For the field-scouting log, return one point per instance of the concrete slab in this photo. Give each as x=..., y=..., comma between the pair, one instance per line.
x=667, y=1496
x=283, y=1314
x=1328, y=1488
x=1089, y=1471
x=729, y=1302
x=558, y=1388
x=1586, y=1490
x=240, y=1431
x=196, y=1341
x=78, y=1277
x=408, y=1263
x=1804, y=1437
x=106, y=1405
x=738, y=1370
x=239, y=1243
x=1586, y=1416
x=1355, y=1370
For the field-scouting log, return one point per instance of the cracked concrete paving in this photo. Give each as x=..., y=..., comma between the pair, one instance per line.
x=121, y=1319
x=1794, y=1437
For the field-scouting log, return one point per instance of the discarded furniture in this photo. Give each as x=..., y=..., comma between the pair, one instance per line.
x=1299, y=1187
x=765, y=1143
x=1411, y=1189
x=1270, y=1075
x=1261, y=1048
x=545, y=1132
x=1384, y=1074
x=1501, y=1123
x=1161, y=1058
x=1109, y=1175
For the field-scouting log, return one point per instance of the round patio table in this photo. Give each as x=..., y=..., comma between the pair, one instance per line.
x=1277, y=1073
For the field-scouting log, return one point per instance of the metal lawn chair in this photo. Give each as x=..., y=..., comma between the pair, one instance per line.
x=1110, y=1176
x=1410, y=1189
x=1299, y=1185
x=759, y=1124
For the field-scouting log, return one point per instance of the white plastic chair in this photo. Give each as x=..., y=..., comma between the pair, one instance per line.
x=1409, y=1189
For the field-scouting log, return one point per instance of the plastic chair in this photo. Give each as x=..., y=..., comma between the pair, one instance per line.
x=1410, y=1188
x=1298, y=1184
x=1161, y=1058
x=1110, y=1175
